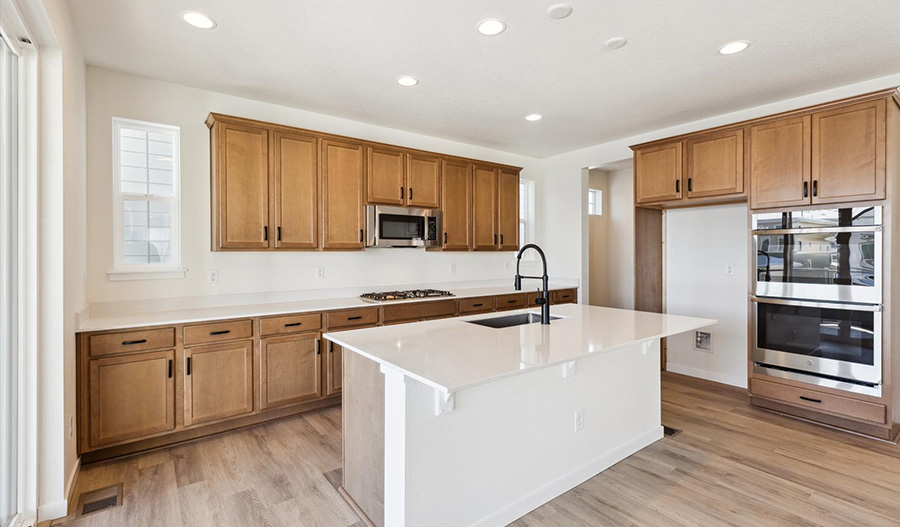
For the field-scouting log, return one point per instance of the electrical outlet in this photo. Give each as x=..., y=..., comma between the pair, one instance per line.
x=507, y=266
x=453, y=268
x=214, y=276
x=703, y=341
x=71, y=426
x=320, y=272
x=729, y=269
x=579, y=420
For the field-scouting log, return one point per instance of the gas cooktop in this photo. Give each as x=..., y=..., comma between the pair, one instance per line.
x=412, y=294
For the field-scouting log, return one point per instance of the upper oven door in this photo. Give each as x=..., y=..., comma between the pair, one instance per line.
x=833, y=257
x=837, y=340
x=401, y=227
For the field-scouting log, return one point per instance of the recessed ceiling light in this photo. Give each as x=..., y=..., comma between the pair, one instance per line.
x=491, y=27
x=734, y=47
x=534, y=117
x=559, y=11
x=616, y=43
x=198, y=20
x=407, y=81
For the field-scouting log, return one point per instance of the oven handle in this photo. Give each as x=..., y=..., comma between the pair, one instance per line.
x=820, y=230
x=875, y=308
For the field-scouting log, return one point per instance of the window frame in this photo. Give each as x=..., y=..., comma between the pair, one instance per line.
x=526, y=215
x=150, y=271
x=595, y=201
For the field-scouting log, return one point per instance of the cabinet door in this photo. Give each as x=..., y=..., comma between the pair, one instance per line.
x=715, y=164
x=456, y=205
x=218, y=382
x=848, y=153
x=386, y=170
x=508, y=209
x=334, y=369
x=423, y=181
x=343, y=173
x=131, y=396
x=242, y=177
x=295, y=167
x=658, y=173
x=779, y=163
x=484, y=208
x=290, y=370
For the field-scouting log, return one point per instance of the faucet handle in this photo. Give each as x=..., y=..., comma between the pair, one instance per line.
x=540, y=300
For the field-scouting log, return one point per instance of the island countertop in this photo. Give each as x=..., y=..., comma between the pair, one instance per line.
x=453, y=354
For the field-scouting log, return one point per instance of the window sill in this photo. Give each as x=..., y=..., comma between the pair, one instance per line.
x=150, y=274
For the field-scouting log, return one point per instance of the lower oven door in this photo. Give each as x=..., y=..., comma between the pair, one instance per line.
x=838, y=341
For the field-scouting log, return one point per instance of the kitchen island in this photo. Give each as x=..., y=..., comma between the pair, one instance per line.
x=452, y=423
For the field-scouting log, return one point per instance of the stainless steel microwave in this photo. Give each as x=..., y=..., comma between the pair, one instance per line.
x=402, y=227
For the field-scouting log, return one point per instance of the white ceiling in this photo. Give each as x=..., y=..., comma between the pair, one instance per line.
x=341, y=57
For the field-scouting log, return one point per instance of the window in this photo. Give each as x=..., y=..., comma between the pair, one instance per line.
x=595, y=202
x=146, y=226
x=526, y=211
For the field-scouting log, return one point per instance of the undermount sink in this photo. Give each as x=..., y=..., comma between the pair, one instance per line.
x=510, y=320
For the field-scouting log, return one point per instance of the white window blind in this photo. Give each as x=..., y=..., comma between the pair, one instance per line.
x=147, y=191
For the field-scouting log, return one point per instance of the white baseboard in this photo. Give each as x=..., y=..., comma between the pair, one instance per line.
x=569, y=481
x=53, y=510
x=733, y=380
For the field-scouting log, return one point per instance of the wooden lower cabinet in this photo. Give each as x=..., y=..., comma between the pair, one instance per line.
x=218, y=382
x=131, y=397
x=334, y=369
x=290, y=370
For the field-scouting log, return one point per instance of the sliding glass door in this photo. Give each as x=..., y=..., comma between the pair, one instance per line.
x=8, y=282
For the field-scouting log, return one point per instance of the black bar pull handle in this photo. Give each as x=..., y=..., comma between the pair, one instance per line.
x=133, y=342
x=495, y=239
x=170, y=368
x=266, y=233
x=279, y=233
x=677, y=185
x=293, y=324
x=810, y=399
x=318, y=350
x=360, y=236
x=445, y=237
x=477, y=305
x=330, y=347
x=223, y=332
x=357, y=317
x=690, y=184
x=511, y=301
x=410, y=192
x=401, y=191
x=815, y=187
x=806, y=189
x=188, y=365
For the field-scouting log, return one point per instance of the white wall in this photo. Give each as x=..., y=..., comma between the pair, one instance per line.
x=699, y=244
x=621, y=238
x=118, y=94
x=599, y=242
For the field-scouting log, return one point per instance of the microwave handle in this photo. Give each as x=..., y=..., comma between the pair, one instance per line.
x=875, y=308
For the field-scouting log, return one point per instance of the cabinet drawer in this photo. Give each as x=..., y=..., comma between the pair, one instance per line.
x=563, y=296
x=128, y=341
x=823, y=402
x=420, y=310
x=290, y=324
x=513, y=301
x=351, y=318
x=218, y=332
x=469, y=306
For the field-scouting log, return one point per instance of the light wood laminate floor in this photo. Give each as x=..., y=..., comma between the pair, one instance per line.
x=732, y=465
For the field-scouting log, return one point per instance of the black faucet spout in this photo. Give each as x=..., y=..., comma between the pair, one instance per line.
x=544, y=299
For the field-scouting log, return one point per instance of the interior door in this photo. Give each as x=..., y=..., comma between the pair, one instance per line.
x=218, y=382
x=386, y=170
x=484, y=208
x=456, y=205
x=715, y=164
x=243, y=186
x=343, y=174
x=290, y=370
x=848, y=153
x=780, y=163
x=658, y=171
x=131, y=396
x=508, y=209
x=295, y=167
x=423, y=181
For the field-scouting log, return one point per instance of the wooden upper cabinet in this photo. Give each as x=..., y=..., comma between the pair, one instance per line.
x=484, y=208
x=130, y=397
x=386, y=171
x=218, y=382
x=290, y=370
x=508, y=209
x=658, y=173
x=423, y=181
x=241, y=192
x=780, y=163
x=456, y=205
x=343, y=200
x=848, y=153
x=295, y=166
x=715, y=164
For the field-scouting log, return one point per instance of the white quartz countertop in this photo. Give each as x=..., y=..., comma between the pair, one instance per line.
x=204, y=314
x=452, y=354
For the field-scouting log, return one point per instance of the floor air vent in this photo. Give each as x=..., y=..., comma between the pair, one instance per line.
x=98, y=500
x=671, y=432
